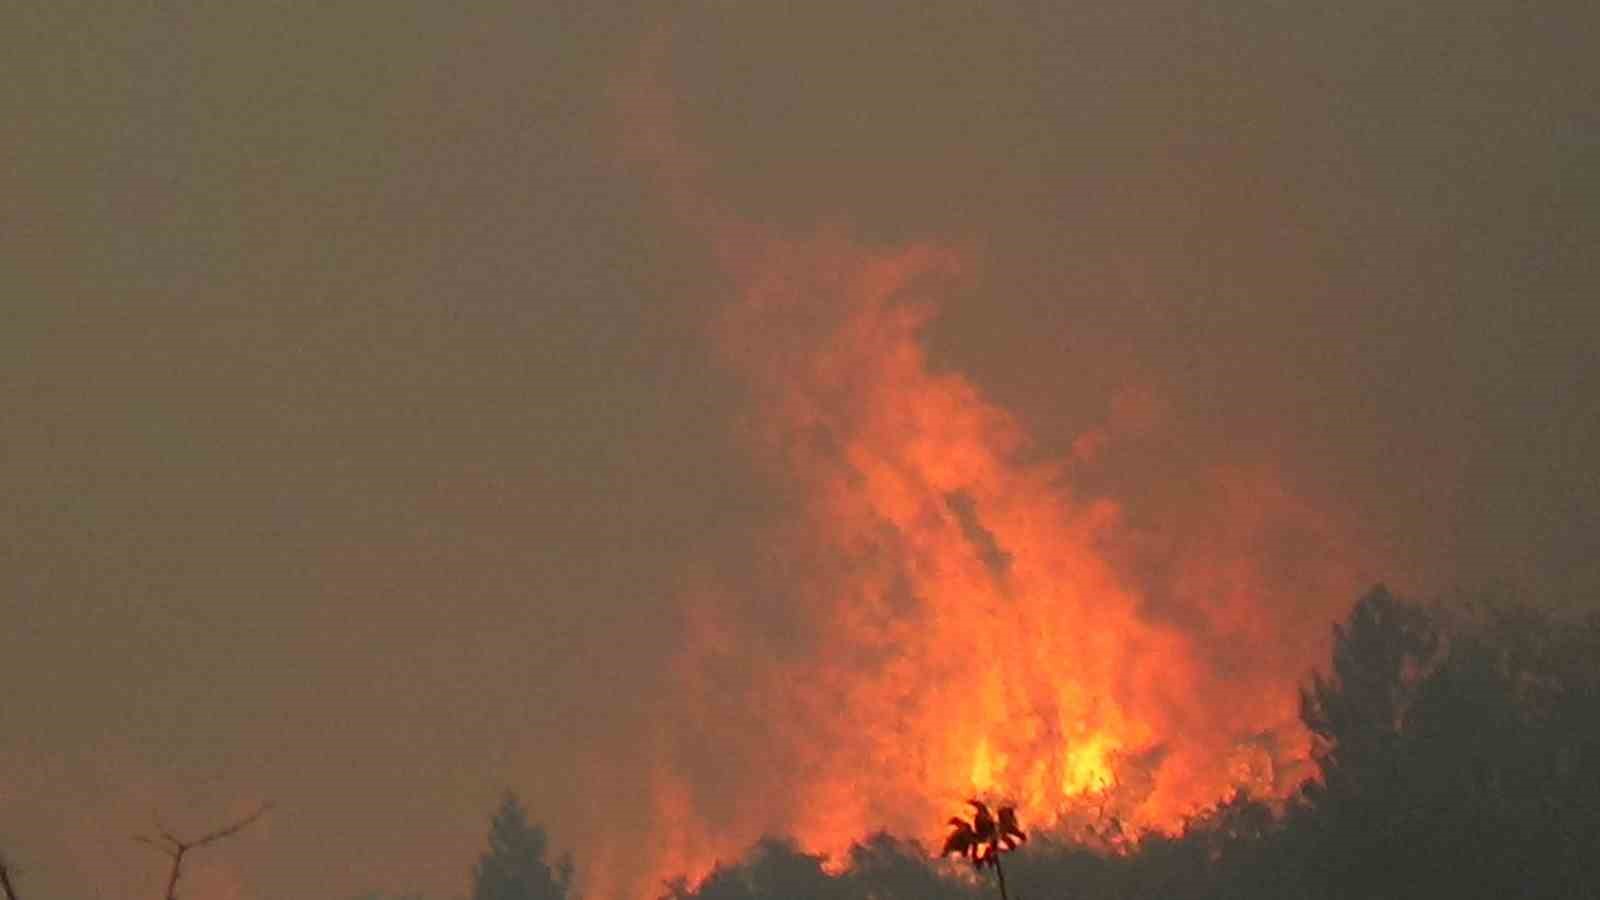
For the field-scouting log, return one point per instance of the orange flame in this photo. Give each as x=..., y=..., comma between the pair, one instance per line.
x=954, y=619
x=961, y=623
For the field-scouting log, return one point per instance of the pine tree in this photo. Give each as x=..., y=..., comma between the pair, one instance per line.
x=514, y=866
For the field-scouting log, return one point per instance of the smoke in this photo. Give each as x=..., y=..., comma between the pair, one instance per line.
x=793, y=425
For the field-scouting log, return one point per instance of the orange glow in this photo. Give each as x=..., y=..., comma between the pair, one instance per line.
x=959, y=619
x=968, y=629
x=1088, y=766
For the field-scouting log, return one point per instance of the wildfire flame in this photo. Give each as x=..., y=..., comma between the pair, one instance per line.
x=943, y=614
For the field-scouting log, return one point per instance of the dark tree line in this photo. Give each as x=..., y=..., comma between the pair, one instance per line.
x=1458, y=755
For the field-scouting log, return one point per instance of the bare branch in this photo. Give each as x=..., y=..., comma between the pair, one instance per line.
x=146, y=839
x=176, y=847
x=230, y=830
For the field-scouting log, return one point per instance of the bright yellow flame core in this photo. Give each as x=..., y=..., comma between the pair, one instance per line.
x=982, y=767
x=1088, y=767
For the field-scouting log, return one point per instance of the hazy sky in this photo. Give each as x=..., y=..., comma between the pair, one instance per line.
x=369, y=413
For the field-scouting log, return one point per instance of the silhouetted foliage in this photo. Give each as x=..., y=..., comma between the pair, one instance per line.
x=1357, y=713
x=888, y=868
x=514, y=867
x=984, y=839
x=1468, y=769
x=772, y=868
x=1358, y=716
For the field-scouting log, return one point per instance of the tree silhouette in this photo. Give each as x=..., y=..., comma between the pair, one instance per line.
x=1356, y=714
x=1459, y=753
x=984, y=838
x=514, y=866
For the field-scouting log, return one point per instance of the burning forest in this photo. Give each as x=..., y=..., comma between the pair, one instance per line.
x=946, y=612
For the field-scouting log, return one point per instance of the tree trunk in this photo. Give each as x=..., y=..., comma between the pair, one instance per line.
x=1000, y=873
x=172, y=879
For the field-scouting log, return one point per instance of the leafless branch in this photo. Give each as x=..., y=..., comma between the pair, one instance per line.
x=176, y=847
x=230, y=830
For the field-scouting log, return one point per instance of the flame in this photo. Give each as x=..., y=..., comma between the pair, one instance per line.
x=1088, y=767
x=938, y=612
x=961, y=623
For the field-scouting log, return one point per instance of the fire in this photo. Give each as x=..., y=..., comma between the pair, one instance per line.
x=938, y=612
x=982, y=767
x=964, y=624
x=1088, y=767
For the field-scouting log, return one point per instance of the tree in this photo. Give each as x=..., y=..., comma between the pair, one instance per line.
x=514, y=866
x=1357, y=713
x=1458, y=755
x=984, y=838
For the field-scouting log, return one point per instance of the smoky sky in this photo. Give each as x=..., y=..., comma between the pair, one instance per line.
x=362, y=428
